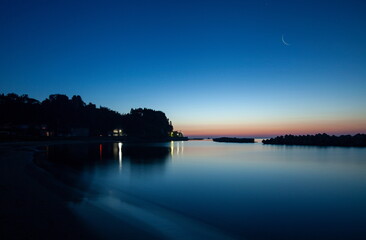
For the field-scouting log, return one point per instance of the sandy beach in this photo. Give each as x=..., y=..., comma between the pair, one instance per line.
x=34, y=205
x=31, y=202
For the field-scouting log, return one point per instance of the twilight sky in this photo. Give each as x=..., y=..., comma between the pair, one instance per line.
x=214, y=67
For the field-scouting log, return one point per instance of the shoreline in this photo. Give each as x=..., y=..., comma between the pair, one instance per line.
x=49, y=140
x=35, y=205
x=31, y=209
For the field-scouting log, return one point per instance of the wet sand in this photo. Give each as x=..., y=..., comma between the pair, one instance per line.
x=31, y=209
x=33, y=205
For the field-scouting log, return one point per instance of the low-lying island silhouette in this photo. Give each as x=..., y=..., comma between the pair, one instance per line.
x=358, y=140
x=233, y=140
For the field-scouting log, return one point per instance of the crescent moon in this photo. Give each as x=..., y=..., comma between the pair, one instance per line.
x=284, y=42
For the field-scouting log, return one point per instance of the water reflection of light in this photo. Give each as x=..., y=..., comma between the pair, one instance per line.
x=120, y=155
x=176, y=148
x=171, y=148
x=100, y=151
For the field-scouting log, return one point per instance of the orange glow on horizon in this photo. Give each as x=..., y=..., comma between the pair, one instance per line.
x=335, y=127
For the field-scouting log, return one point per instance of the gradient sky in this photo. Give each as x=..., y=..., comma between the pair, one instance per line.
x=214, y=67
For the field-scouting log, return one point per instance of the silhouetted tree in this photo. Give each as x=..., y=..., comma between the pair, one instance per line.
x=61, y=114
x=147, y=123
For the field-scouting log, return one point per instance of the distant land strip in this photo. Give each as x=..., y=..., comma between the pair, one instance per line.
x=234, y=140
x=358, y=140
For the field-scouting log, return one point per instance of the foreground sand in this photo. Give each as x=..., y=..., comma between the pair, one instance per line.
x=30, y=209
x=33, y=205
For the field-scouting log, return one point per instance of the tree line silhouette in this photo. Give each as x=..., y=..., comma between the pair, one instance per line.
x=59, y=115
x=358, y=140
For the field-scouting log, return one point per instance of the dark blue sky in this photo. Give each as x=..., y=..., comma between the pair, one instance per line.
x=214, y=67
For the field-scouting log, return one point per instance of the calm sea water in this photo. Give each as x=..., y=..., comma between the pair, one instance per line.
x=208, y=190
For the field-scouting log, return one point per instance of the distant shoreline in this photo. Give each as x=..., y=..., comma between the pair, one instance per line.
x=358, y=140
x=234, y=140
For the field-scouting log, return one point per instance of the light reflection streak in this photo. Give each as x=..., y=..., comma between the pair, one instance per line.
x=176, y=148
x=172, y=148
x=120, y=155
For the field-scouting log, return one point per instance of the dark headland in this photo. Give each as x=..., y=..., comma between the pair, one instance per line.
x=233, y=140
x=62, y=118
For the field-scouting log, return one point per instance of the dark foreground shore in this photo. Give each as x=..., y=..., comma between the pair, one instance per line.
x=29, y=208
x=33, y=205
